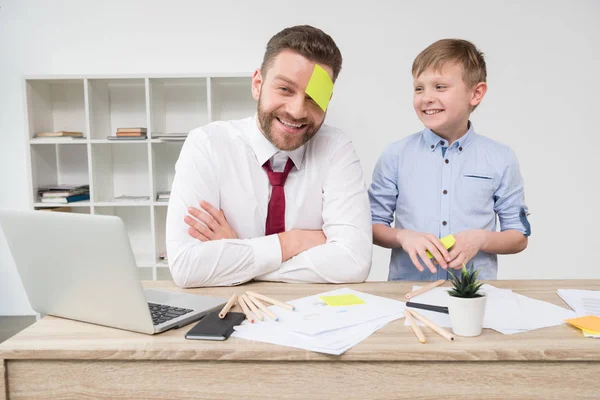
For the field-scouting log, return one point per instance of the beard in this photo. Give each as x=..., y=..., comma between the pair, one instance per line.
x=285, y=141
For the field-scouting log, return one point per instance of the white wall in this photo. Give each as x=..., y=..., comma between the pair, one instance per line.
x=543, y=67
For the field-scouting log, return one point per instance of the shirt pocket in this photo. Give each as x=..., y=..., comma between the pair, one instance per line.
x=476, y=191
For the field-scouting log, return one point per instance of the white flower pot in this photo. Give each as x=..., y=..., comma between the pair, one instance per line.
x=466, y=315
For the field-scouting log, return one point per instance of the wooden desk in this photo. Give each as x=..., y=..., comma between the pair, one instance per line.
x=57, y=358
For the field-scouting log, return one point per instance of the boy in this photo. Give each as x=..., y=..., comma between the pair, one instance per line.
x=447, y=179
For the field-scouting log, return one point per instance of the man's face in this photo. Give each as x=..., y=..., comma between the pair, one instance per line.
x=287, y=116
x=443, y=102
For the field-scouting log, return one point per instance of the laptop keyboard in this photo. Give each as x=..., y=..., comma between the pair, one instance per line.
x=163, y=313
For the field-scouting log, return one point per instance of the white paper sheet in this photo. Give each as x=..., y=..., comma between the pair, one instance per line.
x=318, y=327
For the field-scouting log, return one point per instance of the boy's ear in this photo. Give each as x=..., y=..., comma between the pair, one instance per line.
x=257, y=81
x=478, y=92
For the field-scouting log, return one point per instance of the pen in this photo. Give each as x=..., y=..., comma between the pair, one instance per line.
x=427, y=307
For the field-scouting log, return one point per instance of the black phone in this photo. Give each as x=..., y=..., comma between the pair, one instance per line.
x=211, y=327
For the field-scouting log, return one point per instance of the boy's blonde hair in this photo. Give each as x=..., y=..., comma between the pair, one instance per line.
x=459, y=51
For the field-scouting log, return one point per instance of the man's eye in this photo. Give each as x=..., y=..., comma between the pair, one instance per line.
x=284, y=89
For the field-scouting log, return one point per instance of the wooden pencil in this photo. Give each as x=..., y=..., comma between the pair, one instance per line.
x=263, y=308
x=253, y=307
x=442, y=332
x=416, y=329
x=228, y=306
x=424, y=288
x=249, y=314
x=271, y=300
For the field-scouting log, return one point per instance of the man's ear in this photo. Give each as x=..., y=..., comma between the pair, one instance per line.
x=257, y=81
x=478, y=92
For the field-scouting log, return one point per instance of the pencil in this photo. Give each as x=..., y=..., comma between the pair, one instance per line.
x=416, y=329
x=263, y=308
x=249, y=314
x=424, y=288
x=442, y=332
x=270, y=300
x=228, y=306
x=253, y=307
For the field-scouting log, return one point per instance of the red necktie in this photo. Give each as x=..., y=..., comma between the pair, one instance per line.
x=276, y=212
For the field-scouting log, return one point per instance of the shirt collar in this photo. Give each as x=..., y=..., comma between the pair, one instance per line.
x=433, y=140
x=264, y=149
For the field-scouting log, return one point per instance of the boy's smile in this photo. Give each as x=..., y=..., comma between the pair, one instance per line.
x=443, y=102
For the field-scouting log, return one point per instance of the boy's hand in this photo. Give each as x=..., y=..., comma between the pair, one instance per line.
x=213, y=225
x=468, y=243
x=416, y=243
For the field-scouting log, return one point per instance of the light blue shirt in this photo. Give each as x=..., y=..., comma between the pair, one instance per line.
x=433, y=188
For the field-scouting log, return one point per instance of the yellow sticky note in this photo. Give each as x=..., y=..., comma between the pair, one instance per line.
x=447, y=241
x=342, y=300
x=320, y=87
x=589, y=323
x=591, y=332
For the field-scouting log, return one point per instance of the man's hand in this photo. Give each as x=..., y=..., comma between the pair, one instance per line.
x=212, y=226
x=468, y=243
x=416, y=243
x=296, y=241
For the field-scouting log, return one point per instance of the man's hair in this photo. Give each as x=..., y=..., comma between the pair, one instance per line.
x=457, y=51
x=310, y=42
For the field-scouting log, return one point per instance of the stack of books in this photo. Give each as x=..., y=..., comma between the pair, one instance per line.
x=163, y=196
x=63, y=135
x=169, y=137
x=129, y=134
x=64, y=194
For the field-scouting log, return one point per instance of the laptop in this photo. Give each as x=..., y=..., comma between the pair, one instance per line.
x=82, y=267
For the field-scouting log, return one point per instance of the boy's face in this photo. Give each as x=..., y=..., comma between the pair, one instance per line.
x=287, y=116
x=443, y=102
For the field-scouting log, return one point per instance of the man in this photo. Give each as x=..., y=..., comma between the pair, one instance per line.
x=278, y=196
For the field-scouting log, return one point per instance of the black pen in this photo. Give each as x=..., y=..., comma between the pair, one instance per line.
x=428, y=307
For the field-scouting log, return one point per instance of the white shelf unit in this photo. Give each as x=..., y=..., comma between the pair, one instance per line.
x=97, y=106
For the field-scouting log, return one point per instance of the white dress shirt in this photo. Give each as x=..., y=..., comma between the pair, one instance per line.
x=221, y=163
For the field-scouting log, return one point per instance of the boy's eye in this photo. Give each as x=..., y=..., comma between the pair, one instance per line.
x=418, y=89
x=440, y=87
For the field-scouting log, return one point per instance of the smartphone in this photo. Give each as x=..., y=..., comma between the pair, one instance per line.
x=211, y=327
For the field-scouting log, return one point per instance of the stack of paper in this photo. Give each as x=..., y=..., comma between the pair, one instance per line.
x=506, y=312
x=585, y=303
x=331, y=322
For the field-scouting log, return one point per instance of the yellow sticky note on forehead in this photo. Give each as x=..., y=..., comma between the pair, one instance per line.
x=342, y=300
x=320, y=87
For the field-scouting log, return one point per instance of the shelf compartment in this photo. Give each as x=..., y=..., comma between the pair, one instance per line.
x=178, y=105
x=231, y=98
x=120, y=171
x=116, y=103
x=55, y=105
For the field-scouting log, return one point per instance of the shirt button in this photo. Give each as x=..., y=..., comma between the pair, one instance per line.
x=447, y=161
x=460, y=149
x=432, y=146
x=444, y=223
x=442, y=143
x=523, y=214
x=445, y=191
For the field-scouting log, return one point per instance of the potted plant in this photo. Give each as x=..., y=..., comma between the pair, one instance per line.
x=466, y=303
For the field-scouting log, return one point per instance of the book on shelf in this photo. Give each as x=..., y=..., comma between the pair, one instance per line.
x=175, y=137
x=126, y=137
x=131, y=130
x=131, y=134
x=59, y=134
x=132, y=198
x=163, y=196
x=63, y=190
x=57, y=139
x=65, y=200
